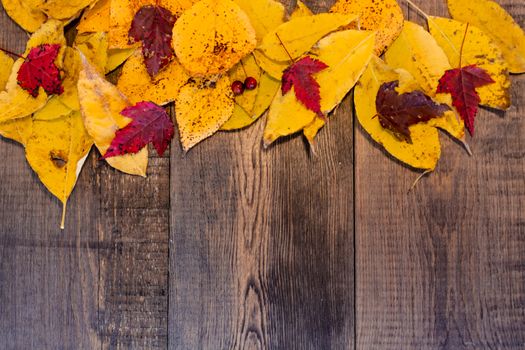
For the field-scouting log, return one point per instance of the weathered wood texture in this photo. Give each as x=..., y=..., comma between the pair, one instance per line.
x=235, y=247
x=443, y=267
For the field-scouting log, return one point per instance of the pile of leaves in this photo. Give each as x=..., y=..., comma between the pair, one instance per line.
x=225, y=63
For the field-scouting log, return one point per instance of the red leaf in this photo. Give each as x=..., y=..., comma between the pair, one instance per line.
x=398, y=112
x=461, y=83
x=153, y=25
x=306, y=88
x=150, y=123
x=39, y=70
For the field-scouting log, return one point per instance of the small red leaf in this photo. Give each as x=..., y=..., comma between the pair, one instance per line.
x=150, y=123
x=461, y=83
x=398, y=112
x=153, y=25
x=306, y=88
x=39, y=70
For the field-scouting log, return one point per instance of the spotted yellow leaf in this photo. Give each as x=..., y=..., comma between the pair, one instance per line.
x=202, y=107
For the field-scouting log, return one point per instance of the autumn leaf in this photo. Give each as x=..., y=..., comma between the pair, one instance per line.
x=26, y=16
x=397, y=112
x=306, y=88
x=149, y=124
x=461, y=83
x=153, y=25
x=39, y=70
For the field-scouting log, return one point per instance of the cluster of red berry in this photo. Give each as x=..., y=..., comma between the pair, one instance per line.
x=238, y=86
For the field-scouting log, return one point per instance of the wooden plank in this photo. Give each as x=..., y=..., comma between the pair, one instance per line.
x=102, y=283
x=261, y=253
x=443, y=266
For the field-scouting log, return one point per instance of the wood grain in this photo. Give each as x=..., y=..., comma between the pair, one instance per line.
x=443, y=266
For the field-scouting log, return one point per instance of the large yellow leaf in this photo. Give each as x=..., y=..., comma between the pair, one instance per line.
x=122, y=13
x=137, y=85
x=57, y=150
x=478, y=49
x=265, y=15
x=496, y=22
x=298, y=35
x=385, y=17
x=101, y=103
x=212, y=37
x=347, y=54
x=417, y=52
x=15, y=102
x=27, y=17
x=202, y=107
x=60, y=9
x=96, y=18
x=425, y=149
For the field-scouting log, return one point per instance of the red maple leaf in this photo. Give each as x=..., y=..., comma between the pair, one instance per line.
x=306, y=88
x=153, y=25
x=461, y=83
x=398, y=112
x=39, y=70
x=150, y=123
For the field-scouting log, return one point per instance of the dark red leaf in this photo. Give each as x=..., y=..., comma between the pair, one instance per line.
x=39, y=70
x=398, y=112
x=153, y=25
x=306, y=88
x=150, y=123
x=461, y=83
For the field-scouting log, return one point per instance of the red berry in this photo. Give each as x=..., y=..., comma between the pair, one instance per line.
x=237, y=88
x=250, y=83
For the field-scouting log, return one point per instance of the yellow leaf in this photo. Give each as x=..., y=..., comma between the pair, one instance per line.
x=101, y=103
x=298, y=35
x=311, y=130
x=202, y=107
x=301, y=10
x=417, y=52
x=424, y=151
x=137, y=85
x=497, y=23
x=274, y=68
x=239, y=120
x=385, y=17
x=265, y=15
x=347, y=54
x=60, y=9
x=27, y=17
x=95, y=47
x=247, y=67
x=212, y=37
x=15, y=102
x=52, y=110
x=18, y=130
x=118, y=56
x=6, y=65
x=122, y=13
x=96, y=18
x=56, y=151
x=478, y=49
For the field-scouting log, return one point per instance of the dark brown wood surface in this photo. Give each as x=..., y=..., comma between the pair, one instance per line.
x=231, y=246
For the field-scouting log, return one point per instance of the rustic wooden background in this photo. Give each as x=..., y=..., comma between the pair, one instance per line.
x=234, y=247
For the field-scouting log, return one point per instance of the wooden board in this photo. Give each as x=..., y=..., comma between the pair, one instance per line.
x=231, y=246
x=443, y=266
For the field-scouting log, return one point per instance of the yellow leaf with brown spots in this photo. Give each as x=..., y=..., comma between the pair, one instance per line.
x=385, y=17
x=64, y=10
x=265, y=15
x=137, y=84
x=56, y=151
x=297, y=36
x=202, y=107
x=101, y=103
x=424, y=151
x=96, y=18
x=478, y=49
x=27, y=17
x=212, y=37
x=95, y=47
x=490, y=17
x=15, y=102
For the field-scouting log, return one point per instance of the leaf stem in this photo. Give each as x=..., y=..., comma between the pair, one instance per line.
x=462, y=45
x=63, y=221
x=284, y=47
x=244, y=69
x=12, y=53
x=417, y=8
